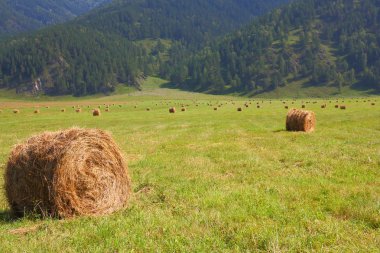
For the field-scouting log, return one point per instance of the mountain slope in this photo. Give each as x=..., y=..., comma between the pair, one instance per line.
x=26, y=15
x=188, y=21
x=332, y=43
x=107, y=46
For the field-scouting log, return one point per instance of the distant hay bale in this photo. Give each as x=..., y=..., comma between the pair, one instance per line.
x=36, y=111
x=172, y=110
x=107, y=109
x=258, y=107
x=286, y=107
x=342, y=107
x=300, y=120
x=303, y=106
x=336, y=106
x=183, y=109
x=96, y=112
x=78, y=110
x=373, y=104
x=323, y=106
x=148, y=109
x=239, y=109
x=63, y=110
x=67, y=173
x=215, y=108
x=16, y=111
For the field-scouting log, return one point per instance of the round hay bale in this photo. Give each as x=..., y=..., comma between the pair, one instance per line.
x=172, y=110
x=96, y=112
x=286, y=107
x=63, y=110
x=215, y=108
x=16, y=111
x=336, y=106
x=300, y=120
x=67, y=173
x=148, y=109
x=323, y=106
x=258, y=107
x=183, y=109
x=342, y=107
x=107, y=109
x=239, y=109
x=373, y=104
x=36, y=111
x=303, y=106
x=78, y=110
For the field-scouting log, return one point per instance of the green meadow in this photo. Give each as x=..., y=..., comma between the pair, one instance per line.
x=214, y=181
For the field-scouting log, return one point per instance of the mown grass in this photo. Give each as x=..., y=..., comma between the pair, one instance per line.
x=216, y=181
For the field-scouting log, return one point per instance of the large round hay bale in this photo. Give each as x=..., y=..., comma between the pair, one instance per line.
x=16, y=111
x=300, y=120
x=67, y=173
x=172, y=110
x=96, y=112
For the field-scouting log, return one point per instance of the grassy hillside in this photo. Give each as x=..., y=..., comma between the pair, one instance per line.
x=26, y=15
x=95, y=52
x=206, y=180
x=323, y=43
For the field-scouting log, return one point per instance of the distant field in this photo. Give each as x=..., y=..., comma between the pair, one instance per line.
x=215, y=181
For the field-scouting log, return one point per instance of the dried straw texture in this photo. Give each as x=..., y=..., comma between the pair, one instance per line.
x=300, y=120
x=96, y=112
x=68, y=173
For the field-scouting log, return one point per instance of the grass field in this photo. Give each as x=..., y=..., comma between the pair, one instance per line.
x=215, y=181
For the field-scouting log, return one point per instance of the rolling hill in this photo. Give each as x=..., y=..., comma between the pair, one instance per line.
x=27, y=15
x=309, y=43
x=112, y=44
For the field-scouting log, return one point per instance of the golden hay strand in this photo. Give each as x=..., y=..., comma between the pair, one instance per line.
x=67, y=173
x=300, y=120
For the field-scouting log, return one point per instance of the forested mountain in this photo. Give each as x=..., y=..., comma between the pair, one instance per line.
x=188, y=21
x=26, y=15
x=112, y=44
x=319, y=42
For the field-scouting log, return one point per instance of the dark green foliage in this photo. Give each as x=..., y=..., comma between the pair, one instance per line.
x=328, y=42
x=95, y=52
x=26, y=15
x=70, y=60
x=191, y=22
